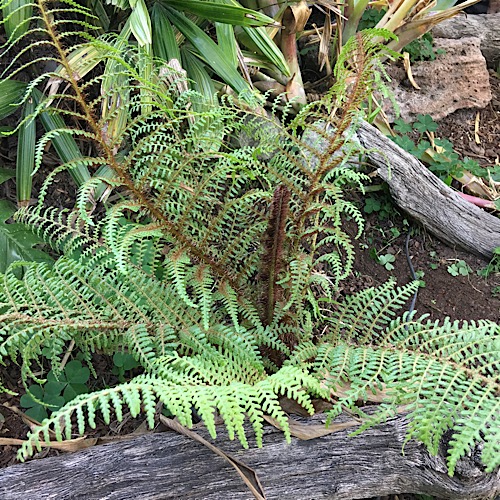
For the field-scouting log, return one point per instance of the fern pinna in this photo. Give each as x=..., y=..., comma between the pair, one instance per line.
x=216, y=260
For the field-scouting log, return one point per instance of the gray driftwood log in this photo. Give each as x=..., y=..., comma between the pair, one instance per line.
x=427, y=199
x=171, y=466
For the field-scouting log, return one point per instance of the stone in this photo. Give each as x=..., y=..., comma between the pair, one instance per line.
x=455, y=80
x=485, y=26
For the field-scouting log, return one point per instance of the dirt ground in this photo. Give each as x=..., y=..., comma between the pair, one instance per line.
x=462, y=297
x=469, y=297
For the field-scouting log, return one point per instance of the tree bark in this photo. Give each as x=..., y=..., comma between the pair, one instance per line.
x=427, y=199
x=484, y=26
x=172, y=466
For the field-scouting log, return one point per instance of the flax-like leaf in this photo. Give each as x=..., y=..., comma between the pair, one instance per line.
x=165, y=44
x=140, y=22
x=63, y=143
x=228, y=13
x=25, y=154
x=208, y=50
x=258, y=39
x=17, y=16
x=11, y=93
x=227, y=42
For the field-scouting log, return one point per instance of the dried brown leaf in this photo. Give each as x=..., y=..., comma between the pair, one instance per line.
x=246, y=473
x=305, y=432
x=70, y=445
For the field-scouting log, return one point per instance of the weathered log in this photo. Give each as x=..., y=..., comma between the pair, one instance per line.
x=484, y=26
x=171, y=466
x=428, y=200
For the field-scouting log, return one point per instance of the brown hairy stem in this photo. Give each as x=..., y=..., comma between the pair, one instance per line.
x=272, y=262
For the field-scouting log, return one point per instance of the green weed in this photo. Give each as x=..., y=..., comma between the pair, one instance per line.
x=387, y=260
x=459, y=268
x=59, y=389
x=440, y=157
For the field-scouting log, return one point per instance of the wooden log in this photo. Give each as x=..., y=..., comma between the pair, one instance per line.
x=427, y=199
x=172, y=466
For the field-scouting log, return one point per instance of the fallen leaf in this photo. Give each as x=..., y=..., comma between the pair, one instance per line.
x=70, y=445
x=409, y=74
x=476, y=128
x=30, y=422
x=306, y=432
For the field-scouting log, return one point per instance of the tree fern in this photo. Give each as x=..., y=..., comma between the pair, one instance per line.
x=216, y=264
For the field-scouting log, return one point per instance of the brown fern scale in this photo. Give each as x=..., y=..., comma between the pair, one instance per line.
x=272, y=261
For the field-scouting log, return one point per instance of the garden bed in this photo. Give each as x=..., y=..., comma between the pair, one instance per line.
x=453, y=287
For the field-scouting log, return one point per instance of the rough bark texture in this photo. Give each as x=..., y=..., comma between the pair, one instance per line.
x=428, y=200
x=171, y=466
x=484, y=26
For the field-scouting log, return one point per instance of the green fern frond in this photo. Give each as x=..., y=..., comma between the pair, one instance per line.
x=362, y=315
x=142, y=345
x=447, y=375
x=229, y=299
x=233, y=402
x=65, y=232
x=168, y=270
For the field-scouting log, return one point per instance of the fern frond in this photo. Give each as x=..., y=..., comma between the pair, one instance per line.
x=233, y=402
x=229, y=298
x=447, y=375
x=142, y=345
x=362, y=315
x=168, y=270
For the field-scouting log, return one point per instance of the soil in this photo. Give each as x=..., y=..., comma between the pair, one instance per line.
x=459, y=128
x=463, y=297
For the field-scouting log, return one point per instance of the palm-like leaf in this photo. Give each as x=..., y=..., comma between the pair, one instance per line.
x=16, y=17
x=25, y=153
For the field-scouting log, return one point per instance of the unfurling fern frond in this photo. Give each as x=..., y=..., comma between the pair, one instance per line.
x=216, y=261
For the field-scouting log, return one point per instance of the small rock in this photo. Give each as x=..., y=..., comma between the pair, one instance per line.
x=457, y=79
